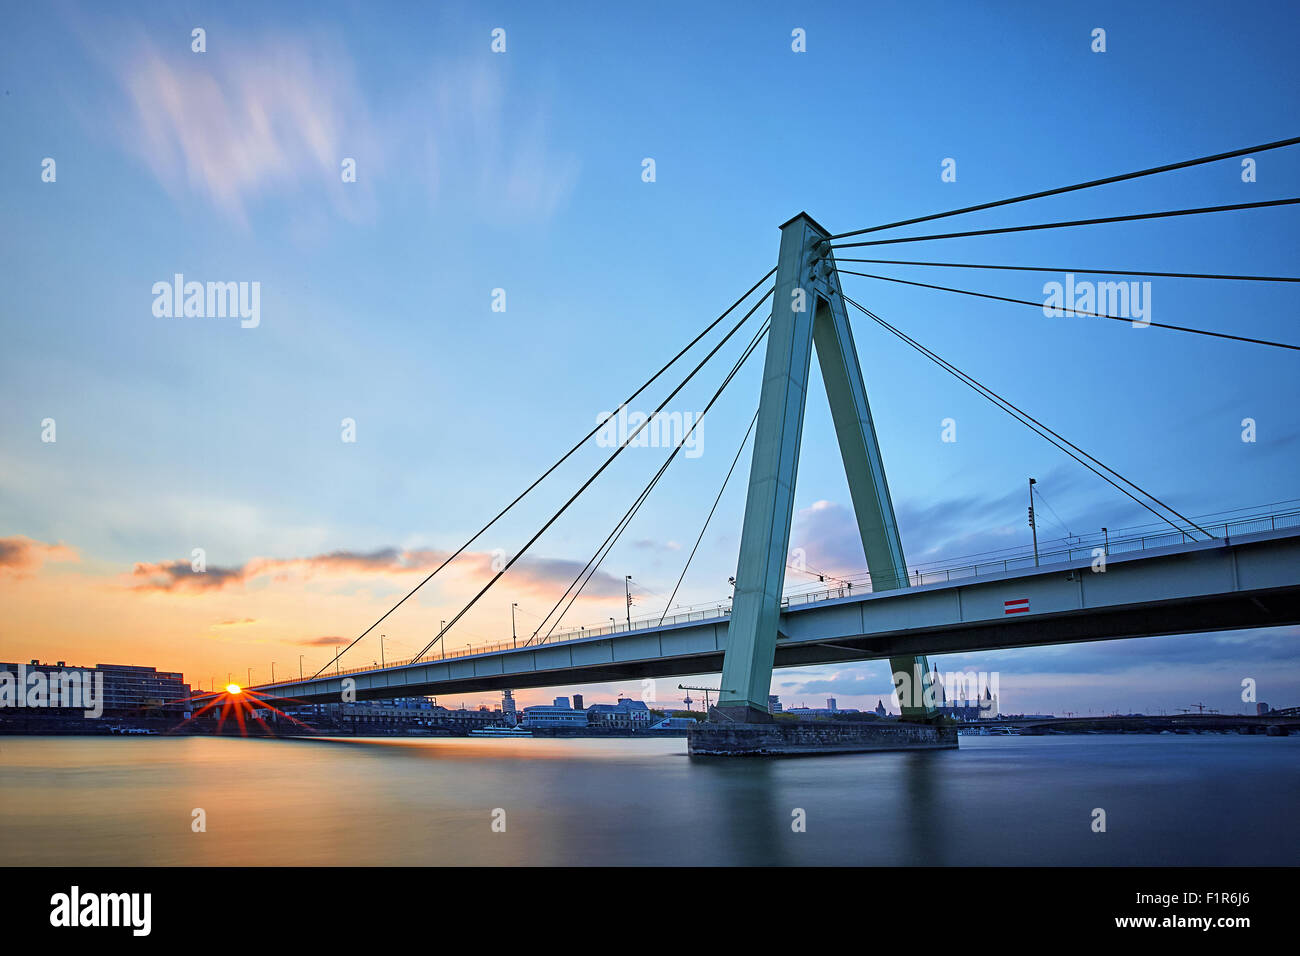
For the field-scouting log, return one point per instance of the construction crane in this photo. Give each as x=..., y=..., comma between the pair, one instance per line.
x=707, y=691
x=1200, y=709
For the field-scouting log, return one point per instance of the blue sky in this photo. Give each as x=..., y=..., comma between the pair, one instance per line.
x=522, y=171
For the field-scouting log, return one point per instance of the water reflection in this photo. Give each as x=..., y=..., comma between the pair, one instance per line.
x=924, y=820
x=95, y=801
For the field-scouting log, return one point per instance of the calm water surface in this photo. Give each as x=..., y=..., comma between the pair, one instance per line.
x=998, y=800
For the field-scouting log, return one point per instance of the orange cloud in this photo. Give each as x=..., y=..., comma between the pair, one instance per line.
x=531, y=576
x=181, y=576
x=326, y=641
x=20, y=555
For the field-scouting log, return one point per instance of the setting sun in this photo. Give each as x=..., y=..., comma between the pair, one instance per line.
x=233, y=689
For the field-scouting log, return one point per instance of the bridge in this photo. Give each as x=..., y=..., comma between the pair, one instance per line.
x=1275, y=723
x=1195, y=580
x=1251, y=580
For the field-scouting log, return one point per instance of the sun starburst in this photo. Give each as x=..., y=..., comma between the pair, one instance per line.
x=240, y=703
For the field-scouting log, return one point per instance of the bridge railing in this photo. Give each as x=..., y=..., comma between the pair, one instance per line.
x=917, y=576
x=1088, y=550
x=435, y=656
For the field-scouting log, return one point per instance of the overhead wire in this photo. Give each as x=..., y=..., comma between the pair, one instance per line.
x=1058, y=190
x=1133, y=217
x=1035, y=425
x=593, y=564
x=691, y=557
x=474, y=537
x=585, y=485
x=1095, y=272
x=1066, y=308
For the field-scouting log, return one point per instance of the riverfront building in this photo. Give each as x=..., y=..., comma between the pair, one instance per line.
x=396, y=713
x=556, y=714
x=828, y=711
x=128, y=690
x=625, y=715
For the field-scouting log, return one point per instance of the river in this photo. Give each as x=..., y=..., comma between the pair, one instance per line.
x=1186, y=800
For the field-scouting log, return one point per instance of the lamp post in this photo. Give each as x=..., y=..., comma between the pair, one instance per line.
x=441, y=628
x=627, y=589
x=336, y=661
x=250, y=678
x=381, y=650
x=1107, y=535
x=272, y=672
x=299, y=667
x=1032, y=526
x=514, y=637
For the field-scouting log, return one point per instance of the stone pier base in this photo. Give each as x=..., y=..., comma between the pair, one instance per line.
x=791, y=739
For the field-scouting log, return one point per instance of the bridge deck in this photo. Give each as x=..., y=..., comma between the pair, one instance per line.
x=1244, y=581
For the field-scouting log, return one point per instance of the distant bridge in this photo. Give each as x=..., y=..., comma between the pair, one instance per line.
x=1148, y=723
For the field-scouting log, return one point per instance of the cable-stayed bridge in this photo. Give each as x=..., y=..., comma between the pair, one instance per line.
x=1251, y=580
x=1210, y=579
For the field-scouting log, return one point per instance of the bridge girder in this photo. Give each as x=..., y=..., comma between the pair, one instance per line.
x=1251, y=581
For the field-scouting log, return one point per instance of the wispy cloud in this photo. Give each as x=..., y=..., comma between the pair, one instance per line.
x=947, y=528
x=480, y=138
x=274, y=117
x=860, y=681
x=259, y=117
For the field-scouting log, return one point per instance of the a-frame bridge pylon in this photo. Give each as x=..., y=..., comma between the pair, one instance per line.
x=807, y=312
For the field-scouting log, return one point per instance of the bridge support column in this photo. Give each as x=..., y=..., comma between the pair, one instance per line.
x=807, y=312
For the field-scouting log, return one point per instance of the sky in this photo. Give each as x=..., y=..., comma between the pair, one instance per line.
x=518, y=177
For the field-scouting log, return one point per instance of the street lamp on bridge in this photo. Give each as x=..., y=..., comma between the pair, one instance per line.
x=1032, y=526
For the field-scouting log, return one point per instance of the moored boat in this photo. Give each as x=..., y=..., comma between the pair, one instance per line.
x=500, y=732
